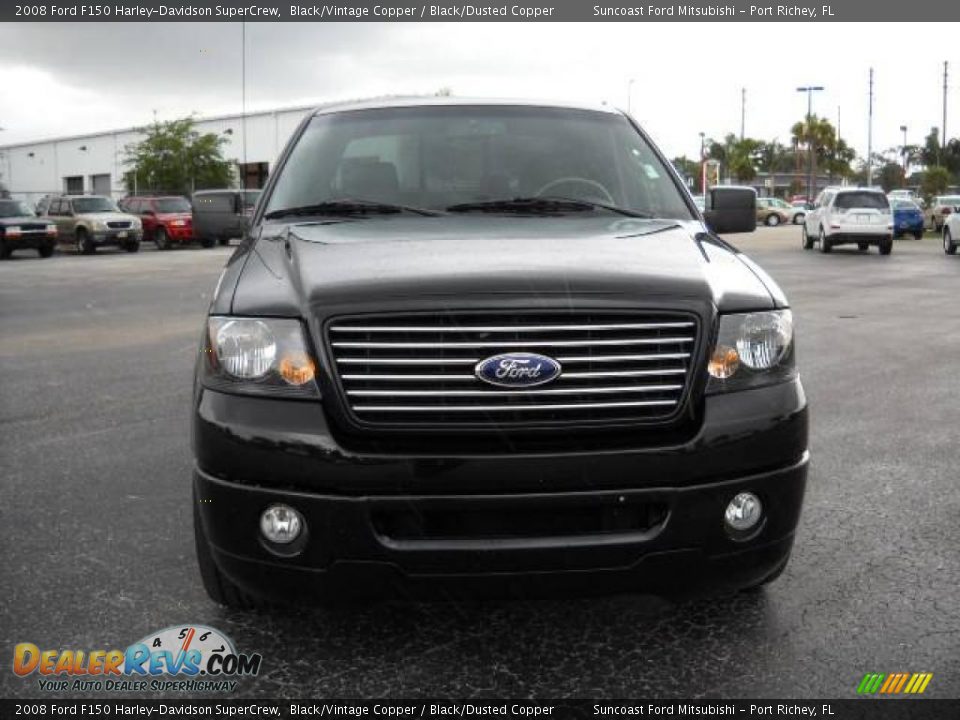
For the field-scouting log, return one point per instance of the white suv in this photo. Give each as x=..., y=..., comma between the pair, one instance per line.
x=850, y=215
x=951, y=233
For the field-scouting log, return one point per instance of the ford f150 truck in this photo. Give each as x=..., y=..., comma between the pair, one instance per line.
x=492, y=346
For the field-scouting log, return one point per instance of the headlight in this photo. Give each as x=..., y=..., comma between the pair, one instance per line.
x=99, y=225
x=752, y=349
x=12, y=230
x=260, y=356
x=135, y=224
x=51, y=229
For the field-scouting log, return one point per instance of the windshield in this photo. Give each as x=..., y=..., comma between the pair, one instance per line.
x=905, y=205
x=14, y=208
x=93, y=204
x=172, y=205
x=872, y=200
x=949, y=200
x=438, y=157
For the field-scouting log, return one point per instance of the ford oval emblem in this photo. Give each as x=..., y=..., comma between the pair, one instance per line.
x=517, y=370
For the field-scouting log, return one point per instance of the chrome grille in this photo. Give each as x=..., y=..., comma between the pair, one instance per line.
x=418, y=369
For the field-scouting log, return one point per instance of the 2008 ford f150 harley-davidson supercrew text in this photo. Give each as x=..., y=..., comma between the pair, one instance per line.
x=492, y=346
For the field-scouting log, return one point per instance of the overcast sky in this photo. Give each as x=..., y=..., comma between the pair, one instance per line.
x=69, y=79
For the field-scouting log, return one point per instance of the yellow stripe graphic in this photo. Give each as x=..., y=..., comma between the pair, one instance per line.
x=911, y=684
x=927, y=677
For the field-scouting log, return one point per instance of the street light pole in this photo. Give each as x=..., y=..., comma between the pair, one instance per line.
x=809, y=90
x=743, y=112
x=703, y=168
x=903, y=129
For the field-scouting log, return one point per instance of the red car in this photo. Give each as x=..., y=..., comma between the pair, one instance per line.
x=166, y=220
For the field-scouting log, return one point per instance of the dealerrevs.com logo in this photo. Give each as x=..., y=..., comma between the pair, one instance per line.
x=191, y=658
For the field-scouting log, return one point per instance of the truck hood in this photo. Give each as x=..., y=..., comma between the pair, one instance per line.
x=377, y=263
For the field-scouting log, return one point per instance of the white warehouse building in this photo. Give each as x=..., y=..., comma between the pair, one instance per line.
x=94, y=163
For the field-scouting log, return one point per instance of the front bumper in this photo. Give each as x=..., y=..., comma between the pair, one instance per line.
x=116, y=237
x=180, y=233
x=362, y=511
x=30, y=240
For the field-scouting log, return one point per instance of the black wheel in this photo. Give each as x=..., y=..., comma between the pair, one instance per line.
x=918, y=235
x=799, y=218
x=897, y=236
x=132, y=246
x=825, y=244
x=949, y=246
x=863, y=245
x=84, y=243
x=224, y=241
x=768, y=579
x=773, y=220
x=886, y=245
x=805, y=238
x=5, y=250
x=160, y=239
x=220, y=588
x=207, y=242
x=46, y=250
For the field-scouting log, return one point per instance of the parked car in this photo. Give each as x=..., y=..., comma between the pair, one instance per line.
x=951, y=233
x=166, y=220
x=849, y=215
x=20, y=228
x=907, y=218
x=491, y=344
x=799, y=210
x=93, y=221
x=769, y=211
x=219, y=215
x=940, y=208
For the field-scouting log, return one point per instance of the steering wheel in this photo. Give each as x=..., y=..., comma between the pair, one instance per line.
x=592, y=184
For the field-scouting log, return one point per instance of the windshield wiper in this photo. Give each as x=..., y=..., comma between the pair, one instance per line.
x=543, y=204
x=349, y=206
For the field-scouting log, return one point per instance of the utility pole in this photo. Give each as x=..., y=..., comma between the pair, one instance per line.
x=943, y=129
x=243, y=100
x=903, y=129
x=743, y=112
x=870, y=135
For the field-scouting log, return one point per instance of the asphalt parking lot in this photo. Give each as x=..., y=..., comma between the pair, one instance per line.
x=97, y=544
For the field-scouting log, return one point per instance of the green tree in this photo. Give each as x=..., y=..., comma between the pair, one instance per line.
x=175, y=158
x=935, y=181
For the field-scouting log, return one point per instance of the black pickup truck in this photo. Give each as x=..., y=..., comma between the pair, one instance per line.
x=492, y=347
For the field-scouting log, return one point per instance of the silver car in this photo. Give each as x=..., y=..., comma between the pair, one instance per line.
x=92, y=221
x=849, y=215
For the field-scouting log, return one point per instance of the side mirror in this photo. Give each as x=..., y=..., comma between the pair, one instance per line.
x=731, y=209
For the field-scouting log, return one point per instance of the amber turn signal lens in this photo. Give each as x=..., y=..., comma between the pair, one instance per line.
x=297, y=368
x=723, y=363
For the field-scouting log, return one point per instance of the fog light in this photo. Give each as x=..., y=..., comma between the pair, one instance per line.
x=281, y=524
x=743, y=512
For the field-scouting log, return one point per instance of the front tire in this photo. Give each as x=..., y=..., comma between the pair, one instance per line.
x=5, y=250
x=207, y=242
x=224, y=241
x=863, y=246
x=799, y=218
x=84, y=243
x=46, y=250
x=918, y=235
x=806, y=239
x=886, y=245
x=825, y=244
x=773, y=220
x=161, y=239
x=949, y=246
